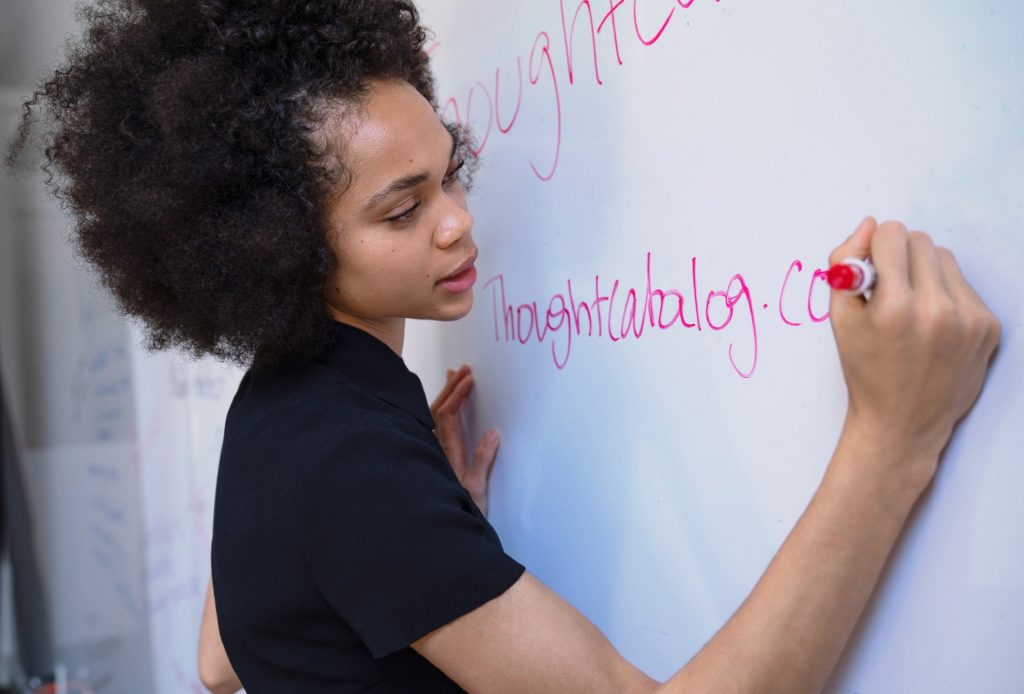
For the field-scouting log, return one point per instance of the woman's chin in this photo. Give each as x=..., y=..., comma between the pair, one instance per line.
x=456, y=309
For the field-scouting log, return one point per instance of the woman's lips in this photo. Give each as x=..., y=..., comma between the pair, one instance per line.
x=460, y=282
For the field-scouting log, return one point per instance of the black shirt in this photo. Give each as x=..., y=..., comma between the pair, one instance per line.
x=340, y=532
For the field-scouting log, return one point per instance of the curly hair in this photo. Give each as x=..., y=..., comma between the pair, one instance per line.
x=196, y=141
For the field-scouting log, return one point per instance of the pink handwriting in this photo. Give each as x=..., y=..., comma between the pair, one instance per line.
x=818, y=278
x=616, y=313
x=543, y=73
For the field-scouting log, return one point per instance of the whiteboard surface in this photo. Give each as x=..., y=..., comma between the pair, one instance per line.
x=649, y=480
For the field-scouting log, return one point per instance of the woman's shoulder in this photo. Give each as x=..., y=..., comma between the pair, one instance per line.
x=280, y=427
x=272, y=397
x=357, y=378
x=313, y=405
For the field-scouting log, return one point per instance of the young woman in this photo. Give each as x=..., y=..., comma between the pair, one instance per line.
x=270, y=182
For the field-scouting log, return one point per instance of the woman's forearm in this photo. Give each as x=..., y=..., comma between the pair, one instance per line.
x=789, y=633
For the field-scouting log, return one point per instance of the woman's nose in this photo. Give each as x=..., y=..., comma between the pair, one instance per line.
x=456, y=223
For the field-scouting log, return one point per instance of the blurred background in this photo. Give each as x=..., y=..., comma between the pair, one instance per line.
x=109, y=453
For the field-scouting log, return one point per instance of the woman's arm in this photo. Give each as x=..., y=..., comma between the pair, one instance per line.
x=914, y=359
x=785, y=637
x=215, y=671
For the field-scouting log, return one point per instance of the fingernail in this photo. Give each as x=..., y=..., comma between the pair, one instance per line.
x=491, y=437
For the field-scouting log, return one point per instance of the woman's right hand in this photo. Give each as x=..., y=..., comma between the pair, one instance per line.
x=915, y=356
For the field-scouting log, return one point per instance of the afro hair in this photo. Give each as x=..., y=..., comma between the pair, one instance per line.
x=192, y=147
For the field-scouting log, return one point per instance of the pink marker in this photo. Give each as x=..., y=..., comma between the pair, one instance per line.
x=853, y=275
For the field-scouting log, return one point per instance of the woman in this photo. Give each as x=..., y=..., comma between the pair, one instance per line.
x=270, y=182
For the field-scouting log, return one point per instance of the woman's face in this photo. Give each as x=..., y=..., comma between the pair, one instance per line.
x=401, y=230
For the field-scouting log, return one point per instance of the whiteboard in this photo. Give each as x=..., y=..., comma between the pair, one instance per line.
x=716, y=152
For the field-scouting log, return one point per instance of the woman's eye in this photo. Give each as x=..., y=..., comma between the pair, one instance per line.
x=453, y=175
x=403, y=216
x=449, y=178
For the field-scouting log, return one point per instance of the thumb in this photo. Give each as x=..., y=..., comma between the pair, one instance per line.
x=857, y=245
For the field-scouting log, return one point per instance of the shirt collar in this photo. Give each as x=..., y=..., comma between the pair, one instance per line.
x=374, y=367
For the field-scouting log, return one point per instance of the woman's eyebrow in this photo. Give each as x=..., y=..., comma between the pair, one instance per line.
x=404, y=183
x=399, y=184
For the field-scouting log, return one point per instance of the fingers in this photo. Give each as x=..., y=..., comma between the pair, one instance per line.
x=857, y=245
x=456, y=397
x=904, y=260
x=926, y=274
x=454, y=378
x=446, y=419
x=967, y=300
x=889, y=254
x=485, y=454
x=961, y=292
x=450, y=438
x=451, y=379
x=935, y=277
x=446, y=409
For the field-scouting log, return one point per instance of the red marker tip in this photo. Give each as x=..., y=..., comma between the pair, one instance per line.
x=852, y=275
x=843, y=276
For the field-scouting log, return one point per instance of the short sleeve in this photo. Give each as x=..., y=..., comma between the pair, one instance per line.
x=394, y=542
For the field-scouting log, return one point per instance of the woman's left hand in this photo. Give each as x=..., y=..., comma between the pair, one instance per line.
x=445, y=410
